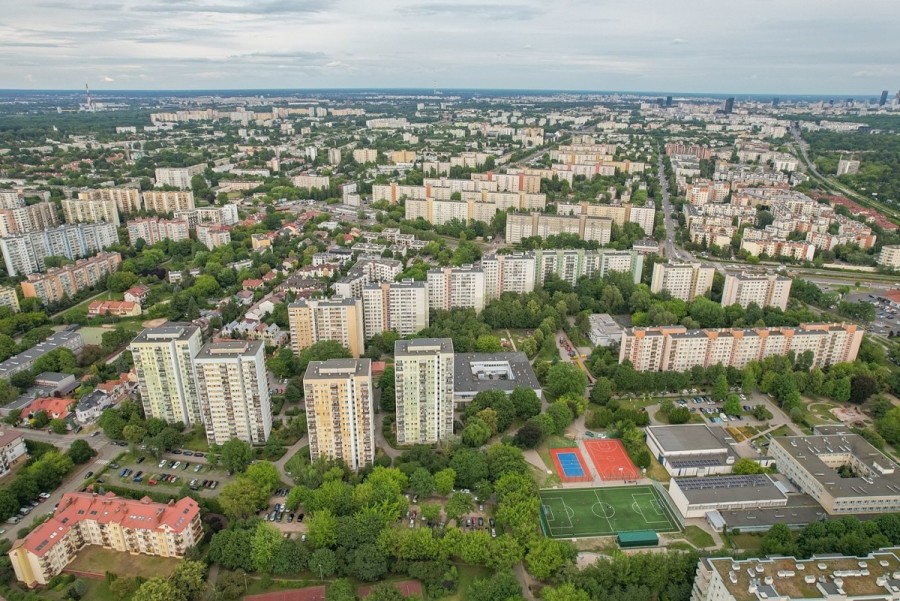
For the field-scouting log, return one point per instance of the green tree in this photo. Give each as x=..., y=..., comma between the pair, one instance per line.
x=236, y=455
x=565, y=378
x=323, y=563
x=58, y=426
x=340, y=590
x=158, y=589
x=264, y=545
x=134, y=434
x=421, y=482
x=444, y=481
x=500, y=586
x=720, y=388
x=746, y=466
x=80, y=452
x=189, y=579
x=732, y=405
x=458, y=505
x=547, y=556
x=564, y=592
x=242, y=498
x=476, y=432
x=322, y=528
x=526, y=402
x=602, y=391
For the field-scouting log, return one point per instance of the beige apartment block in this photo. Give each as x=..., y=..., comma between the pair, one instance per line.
x=398, y=306
x=456, y=287
x=312, y=321
x=32, y=218
x=128, y=200
x=520, y=226
x=160, y=201
x=233, y=390
x=163, y=362
x=178, y=177
x=764, y=289
x=423, y=370
x=8, y=298
x=340, y=411
x=91, y=211
x=685, y=281
x=64, y=282
x=675, y=348
x=890, y=256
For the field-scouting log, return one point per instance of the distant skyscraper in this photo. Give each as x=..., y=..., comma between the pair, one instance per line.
x=883, y=100
x=729, y=105
x=668, y=101
x=775, y=101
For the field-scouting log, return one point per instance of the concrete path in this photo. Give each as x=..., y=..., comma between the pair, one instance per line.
x=292, y=450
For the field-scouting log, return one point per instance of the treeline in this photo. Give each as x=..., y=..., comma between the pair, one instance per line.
x=846, y=535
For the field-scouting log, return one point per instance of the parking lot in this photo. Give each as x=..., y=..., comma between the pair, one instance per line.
x=291, y=523
x=713, y=410
x=886, y=321
x=143, y=471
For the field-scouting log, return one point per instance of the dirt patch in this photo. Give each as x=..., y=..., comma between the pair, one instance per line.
x=155, y=323
x=406, y=588
x=312, y=593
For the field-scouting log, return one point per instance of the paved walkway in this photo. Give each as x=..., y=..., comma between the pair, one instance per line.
x=292, y=450
x=380, y=441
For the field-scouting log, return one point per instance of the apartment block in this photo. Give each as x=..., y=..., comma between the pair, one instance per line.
x=423, y=371
x=508, y=273
x=26, y=219
x=365, y=272
x=312, y=321
x=311, y=182
x=811, y=463
x=889, y=256
x=25, y=254
x=233, y=390
x=703, y=191
x=365, y=155
x=82, y=519
x=90, y=211
x=456, y=287
x=779, y=247
x=128, y=200
x=153, y=229
x=571, y=264
x=474, y=206
x=398, y=306
x=169, y=201
x=674, y=348
x=8, y=298
x=163, y=362
x=685, y=281
x=619, y=213
x=833, y=576
x=340, y=411
x=12, y=450
x=178, y=177
x=212, y=236
x=764, y=289
x=226, y=214
x=521, y=226
x=64, y=282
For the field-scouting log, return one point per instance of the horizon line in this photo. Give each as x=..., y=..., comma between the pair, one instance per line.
x=447, y=89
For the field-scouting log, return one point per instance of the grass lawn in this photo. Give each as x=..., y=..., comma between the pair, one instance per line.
x=467, y=575
x=819, y=413
x=97, y=559
x=82, y=306
x=559, y=442
x=196, y=442
x=568, y=513
x=656, y=471
x=747, y=542
x=699, y=537
x=696, y=418
x=782, y=431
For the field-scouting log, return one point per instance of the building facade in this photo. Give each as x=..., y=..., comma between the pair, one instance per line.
x=163, y=361
x=398, y=306
x=153, y=229
x=168, y=201
x=12, y=450
x=76, y=210
x=178, y=177
x=766, y=290
x=675, y=348
x=123, y=525
x=889, y=256
x=423, y=385
x=234, y=392
x=66, y=281
x=312, y=321
x=685, y=281
x=456, y=287
x=128, y=200
x=9, y=298
x=340, y=411
x=25, y=254
x=25, y=219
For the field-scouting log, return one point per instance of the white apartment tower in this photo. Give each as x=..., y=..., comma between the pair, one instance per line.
x=685, y=281
x=423, y=371
x=234, y=391
x=163, y=360
x=453, y=287
x=178, y=177
x=508, y=273
x=398, y=306
x=766, y=290
x=340, y=411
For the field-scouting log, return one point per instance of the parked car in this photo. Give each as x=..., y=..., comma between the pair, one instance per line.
x=88, y=475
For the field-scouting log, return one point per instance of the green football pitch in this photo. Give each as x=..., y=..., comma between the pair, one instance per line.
x=577, y=512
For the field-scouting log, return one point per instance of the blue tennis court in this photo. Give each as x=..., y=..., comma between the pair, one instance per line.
x=570, y=465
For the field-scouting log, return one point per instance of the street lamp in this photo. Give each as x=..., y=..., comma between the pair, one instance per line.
x=321, y=576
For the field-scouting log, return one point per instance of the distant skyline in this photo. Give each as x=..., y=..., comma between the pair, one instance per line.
x=789, y=47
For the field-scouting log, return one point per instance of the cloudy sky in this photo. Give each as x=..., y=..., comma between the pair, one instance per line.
x=726, y=46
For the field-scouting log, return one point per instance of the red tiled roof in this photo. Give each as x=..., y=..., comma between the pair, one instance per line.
x=143, y=514
x=53, y=406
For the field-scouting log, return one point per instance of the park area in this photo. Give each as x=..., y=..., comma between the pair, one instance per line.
x=572, y=513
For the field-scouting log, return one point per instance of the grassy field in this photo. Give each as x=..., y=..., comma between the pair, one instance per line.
x=604, y=511
x=467, y=575
x=747, y=542
x=97, y=559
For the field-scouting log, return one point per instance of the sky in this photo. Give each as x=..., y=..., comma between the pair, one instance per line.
x=717, y=46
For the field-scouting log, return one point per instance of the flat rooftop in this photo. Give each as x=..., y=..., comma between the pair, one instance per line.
x=878, y=474
x=171, y=332
x=800, y=510
x=690, y=438
x=475, y=372
x=14, y=364
x=225, y=349
x=334, y=368
x=423, y=346
x=729, y=489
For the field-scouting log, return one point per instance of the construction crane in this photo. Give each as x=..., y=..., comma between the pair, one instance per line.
x=89, y=105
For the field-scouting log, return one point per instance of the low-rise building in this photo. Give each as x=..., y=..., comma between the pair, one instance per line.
x=114, y=308
x=604, y=330
x=124, y=525
x=25, y=360
x=697, y=497
x=477, y=372
x=12, y=450
x=91, y=405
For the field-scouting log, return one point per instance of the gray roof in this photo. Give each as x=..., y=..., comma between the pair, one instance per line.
x=327, y=370
x=729, y=489
x=171, y=331
x=467, y=379
x=13, y=365
x=883, y=477
x=423, y=346
x=229, y=349
x=690, y=437
x=91, y=400
x=799, y=511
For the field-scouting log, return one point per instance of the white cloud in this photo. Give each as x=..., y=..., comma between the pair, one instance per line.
x=107, y=78
x=679, y=41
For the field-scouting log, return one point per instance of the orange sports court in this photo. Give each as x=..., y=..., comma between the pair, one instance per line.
x=611, y=460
